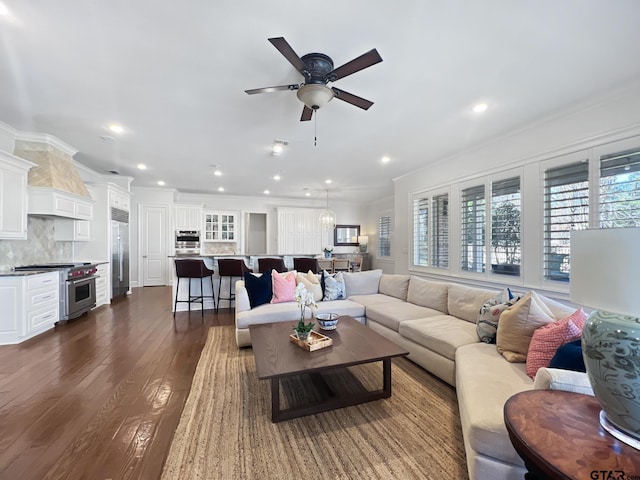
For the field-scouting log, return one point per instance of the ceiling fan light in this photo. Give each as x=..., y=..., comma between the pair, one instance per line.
x=315, y=96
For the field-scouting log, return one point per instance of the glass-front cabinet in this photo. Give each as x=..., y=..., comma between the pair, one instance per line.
x=219, y=227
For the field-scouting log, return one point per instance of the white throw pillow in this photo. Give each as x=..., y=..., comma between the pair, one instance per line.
x=312, y=283
x=362, y=283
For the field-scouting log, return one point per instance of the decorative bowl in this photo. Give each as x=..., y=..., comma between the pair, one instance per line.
x=328, y=321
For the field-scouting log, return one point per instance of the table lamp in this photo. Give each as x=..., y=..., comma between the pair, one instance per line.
x=605, y=275
x=363, y=241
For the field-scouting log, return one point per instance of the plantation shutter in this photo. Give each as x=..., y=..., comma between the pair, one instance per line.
x=421, y=232
x=566, y=208
x=620, y=189
x=472, y=232
x=440, y=235
x=505, y=226
x=384, y=236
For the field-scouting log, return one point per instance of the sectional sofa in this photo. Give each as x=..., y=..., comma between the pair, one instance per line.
x=436, y=323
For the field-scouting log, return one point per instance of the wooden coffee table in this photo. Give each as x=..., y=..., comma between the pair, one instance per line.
x=353, y=344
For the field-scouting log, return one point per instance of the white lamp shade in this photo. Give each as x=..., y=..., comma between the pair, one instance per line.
x=315, y=96
x=363, y=239
x=605, y=269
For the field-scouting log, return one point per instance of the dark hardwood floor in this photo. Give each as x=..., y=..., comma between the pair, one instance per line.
x=100, y=397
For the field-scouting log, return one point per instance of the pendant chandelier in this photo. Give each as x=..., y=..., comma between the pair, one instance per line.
x=327, y=217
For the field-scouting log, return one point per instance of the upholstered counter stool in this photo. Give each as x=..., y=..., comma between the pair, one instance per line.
x=304, y=264
x=193, y=269
x=230, y=267
x=266, y=264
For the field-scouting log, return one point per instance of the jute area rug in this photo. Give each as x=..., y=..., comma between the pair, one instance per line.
x=225, y=431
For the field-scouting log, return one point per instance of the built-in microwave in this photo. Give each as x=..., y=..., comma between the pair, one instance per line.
x=187, y=241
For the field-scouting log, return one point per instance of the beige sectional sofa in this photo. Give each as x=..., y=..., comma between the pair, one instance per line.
x=436, y=323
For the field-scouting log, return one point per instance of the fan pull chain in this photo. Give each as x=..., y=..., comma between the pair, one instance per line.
x=315, y=129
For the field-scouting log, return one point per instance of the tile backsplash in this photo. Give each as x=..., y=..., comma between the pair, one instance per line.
x=40, y=246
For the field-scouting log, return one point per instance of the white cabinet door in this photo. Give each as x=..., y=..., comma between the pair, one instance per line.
x=220, y=227
x=188, y=217
x=13, y=196
x=67, y=230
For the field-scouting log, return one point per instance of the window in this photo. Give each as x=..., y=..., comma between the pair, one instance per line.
x=384, y=236
x=472, y=218
x=505, y=226
x=420, y=232
x=431, y=231
x=566, y=208
x=620, y=189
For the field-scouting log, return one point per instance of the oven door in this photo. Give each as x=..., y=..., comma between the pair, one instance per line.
x=81, y=296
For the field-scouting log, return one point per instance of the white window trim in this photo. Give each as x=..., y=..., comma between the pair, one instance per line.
x=430, y=194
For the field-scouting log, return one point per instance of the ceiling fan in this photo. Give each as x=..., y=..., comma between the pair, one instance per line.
x=317, y=70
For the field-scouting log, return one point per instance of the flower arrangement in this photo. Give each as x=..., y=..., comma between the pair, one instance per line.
x=328, y=250
x=304, y=299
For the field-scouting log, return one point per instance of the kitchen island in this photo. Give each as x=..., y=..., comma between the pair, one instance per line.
x=210, y=261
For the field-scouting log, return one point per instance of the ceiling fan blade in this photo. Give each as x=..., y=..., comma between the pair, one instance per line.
x=363, y=61
x=273, y=89
x=285, y=49
x=352, y=99
x=307, y=113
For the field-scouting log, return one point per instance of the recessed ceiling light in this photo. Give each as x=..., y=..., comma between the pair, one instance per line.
x=142, y=166
x=161, y=183
x=267, y=192
x=217, y=173
x=221, y=189
x=386, y=159
x=480, y=107
x=4, y=11
x=276, y=177
x=307, y=194
x=116, y=128
x=328, y=181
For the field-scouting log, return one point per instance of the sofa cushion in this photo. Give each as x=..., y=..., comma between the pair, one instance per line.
x=390, y=314
x=341, y=307
x=426, y=293
x=334, y=288
x=548, y=339
x=394, y=285
x=258, y=288
x=517, y=324
x=465, y=302
x=361, y=283
x=484, y=382
x=270, y=312
x=442, y=334
x=374, y=299
x=283, y=287
x=312, y=283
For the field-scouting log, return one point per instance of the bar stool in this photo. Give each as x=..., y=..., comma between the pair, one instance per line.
x=303, y=264
x=230, y=267
x=266, y=264
x=190, y=269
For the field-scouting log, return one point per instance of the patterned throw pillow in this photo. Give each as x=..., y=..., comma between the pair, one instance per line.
x=489, y=315
x=334, y=288
x=548, y=339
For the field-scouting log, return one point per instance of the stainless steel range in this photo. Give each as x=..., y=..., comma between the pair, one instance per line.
x=77, y=287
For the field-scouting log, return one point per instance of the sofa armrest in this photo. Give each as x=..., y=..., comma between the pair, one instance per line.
x=242, y=298
x=558, y=379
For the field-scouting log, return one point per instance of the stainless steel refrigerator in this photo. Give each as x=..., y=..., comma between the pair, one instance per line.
x=119, y=252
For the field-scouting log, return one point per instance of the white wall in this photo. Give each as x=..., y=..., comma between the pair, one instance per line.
x=608, y=119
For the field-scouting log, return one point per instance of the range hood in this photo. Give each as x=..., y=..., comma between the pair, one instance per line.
x=55, y=187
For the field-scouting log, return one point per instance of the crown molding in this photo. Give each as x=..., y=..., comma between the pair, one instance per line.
x=50, y=140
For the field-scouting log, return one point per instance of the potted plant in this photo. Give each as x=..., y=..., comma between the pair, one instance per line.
x=304, y=299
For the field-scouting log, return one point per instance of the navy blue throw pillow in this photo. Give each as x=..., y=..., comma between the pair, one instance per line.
x=569, y=357
x=259, y=289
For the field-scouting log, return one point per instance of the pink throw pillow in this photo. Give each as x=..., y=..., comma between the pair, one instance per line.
x=548, y=339
x=284, y=287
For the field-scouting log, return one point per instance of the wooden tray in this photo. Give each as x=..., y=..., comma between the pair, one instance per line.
x=318, y=341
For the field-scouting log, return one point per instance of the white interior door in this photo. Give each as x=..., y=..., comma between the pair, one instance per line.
x=154, y=245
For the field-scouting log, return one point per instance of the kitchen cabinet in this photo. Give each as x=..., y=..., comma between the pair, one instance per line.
x=188, y=217
x=300, y=232
x=72, y=230
x=119, y=198
x=30, y=305
x=13, y=196
x=50, y=201
x=103, y=290
x=220, y=227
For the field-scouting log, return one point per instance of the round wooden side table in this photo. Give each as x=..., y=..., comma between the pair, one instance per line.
x=558, y=435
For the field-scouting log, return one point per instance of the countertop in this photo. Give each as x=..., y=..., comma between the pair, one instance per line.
x=243, y=255
x=11, y=273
